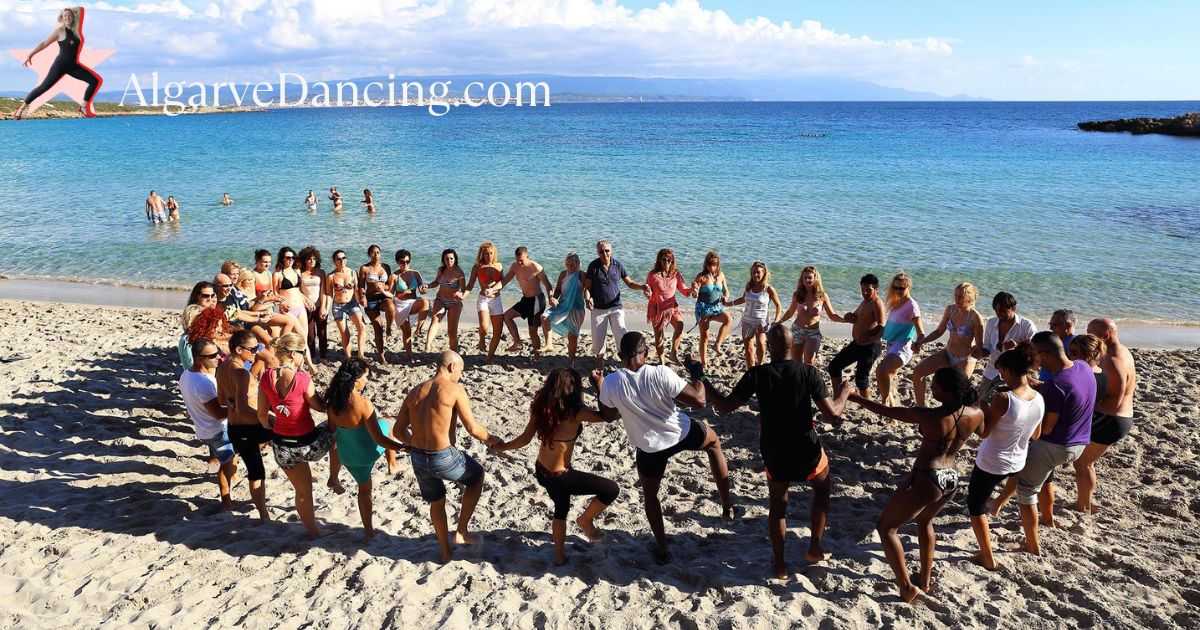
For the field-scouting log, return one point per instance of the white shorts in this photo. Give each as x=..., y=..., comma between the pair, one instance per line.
x=902, y=349
x=404, y=309
x=751, y=327
x=490, y=305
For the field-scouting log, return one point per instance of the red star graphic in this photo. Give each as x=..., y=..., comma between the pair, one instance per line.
x=73, y=88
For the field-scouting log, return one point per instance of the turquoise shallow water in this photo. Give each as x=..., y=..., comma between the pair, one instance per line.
x=1007, y=195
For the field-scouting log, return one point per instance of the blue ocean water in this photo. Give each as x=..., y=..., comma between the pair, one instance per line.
x=1007, y=195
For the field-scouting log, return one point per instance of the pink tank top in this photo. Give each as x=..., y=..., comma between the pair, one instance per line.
x=292, y=416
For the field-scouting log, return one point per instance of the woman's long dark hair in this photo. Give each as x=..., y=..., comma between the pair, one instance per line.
x=1019, y=360
x=957, y=385
x=559, y=399
x=309, y=252
x=445, y=252
x=194, y=298
x=279, y=259
x=337, y=396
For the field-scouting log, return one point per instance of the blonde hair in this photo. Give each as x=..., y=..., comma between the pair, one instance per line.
x=575, y=257
x=896, y=296
x=969, y=293
x=766, y=274
x=489, y=248
x=1087, y=348
x=818, y=286
x=285, y=345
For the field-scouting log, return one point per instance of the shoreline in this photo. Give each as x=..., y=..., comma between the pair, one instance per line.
x=1142, y=334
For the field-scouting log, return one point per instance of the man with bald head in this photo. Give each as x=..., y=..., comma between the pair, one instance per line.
x=427, y=424
x=787, y=390
x=1114, y=407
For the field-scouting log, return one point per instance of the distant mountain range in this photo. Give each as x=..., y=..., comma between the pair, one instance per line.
x=622, y=89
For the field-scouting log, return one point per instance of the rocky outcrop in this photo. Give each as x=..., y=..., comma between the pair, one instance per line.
x=1185, y=125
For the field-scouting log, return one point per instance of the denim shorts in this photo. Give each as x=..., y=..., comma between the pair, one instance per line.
x=220, y=447
x=342, y=312
x=431, y=468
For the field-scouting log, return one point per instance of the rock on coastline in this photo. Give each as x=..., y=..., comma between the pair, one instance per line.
x=1185, y=125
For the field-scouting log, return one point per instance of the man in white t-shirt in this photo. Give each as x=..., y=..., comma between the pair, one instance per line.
x=1001, y=333
x=198, y=385
x=645, y=398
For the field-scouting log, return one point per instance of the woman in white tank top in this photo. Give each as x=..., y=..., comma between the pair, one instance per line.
x=1010, y=422
x=758, y=297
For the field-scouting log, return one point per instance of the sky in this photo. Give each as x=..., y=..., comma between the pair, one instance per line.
x=1019, y=50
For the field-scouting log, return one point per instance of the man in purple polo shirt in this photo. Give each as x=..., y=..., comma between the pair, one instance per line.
x=1066, y=430
x=602, y=282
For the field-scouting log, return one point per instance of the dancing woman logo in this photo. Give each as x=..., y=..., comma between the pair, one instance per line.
x=293, y=90
x=69, y=71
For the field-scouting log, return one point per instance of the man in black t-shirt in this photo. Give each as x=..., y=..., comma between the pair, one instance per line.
x=787, y=392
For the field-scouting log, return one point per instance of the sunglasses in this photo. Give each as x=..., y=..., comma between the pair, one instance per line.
x=208, y=296
x=339, y=258
x=289, y=257
x=209, y=356
x=403, y=262
x=253, y=349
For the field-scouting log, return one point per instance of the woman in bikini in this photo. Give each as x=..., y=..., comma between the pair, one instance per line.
x=808, y=300
x=312, y=285
x=172, y=208
x=286, y=400
x=556, y=417
x=375, y=277
x=368, y=201
x=336, y=198
x=360, y=434
x=342, y=285
x=261, y=293
x=933, y=480
x=711, y=293
x=567, y=306
x=662, y=284
x=410, y=307
x=286, y=284
x=489, y=273
x=758, y=296
x=966, y=333
x=450, y=282
x=902, y=332
x=310, y=201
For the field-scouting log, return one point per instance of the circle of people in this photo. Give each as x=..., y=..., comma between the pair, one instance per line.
x=1046, y=399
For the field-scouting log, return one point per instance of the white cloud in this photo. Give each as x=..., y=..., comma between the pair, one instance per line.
x=681, y=38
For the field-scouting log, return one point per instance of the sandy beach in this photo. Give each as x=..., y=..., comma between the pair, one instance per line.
x=107, y=516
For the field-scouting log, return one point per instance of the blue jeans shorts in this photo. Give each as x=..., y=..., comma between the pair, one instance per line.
x=432, y=468
x=220, y=447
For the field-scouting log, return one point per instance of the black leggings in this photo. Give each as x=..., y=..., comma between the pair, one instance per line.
x=561, y=487
x=863, y=356
x=980, y=489
x=67, y=67
x=318, y=333
x=246, y=440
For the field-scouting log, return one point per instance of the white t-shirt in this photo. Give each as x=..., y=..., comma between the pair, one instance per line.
x=1004, y=450
x=1022, y=330
x=199, y=388
x=646, y=400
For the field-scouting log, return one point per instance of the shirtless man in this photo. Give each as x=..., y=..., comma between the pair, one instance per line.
x=864, y=347
x=336, y=198
x=155, y=208
x=226, y=200
x=237, y=390
x=427, y=425
x=532, y=278
x=1114, y=408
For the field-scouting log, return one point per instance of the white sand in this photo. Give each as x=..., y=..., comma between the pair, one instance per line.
x=107, y=516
